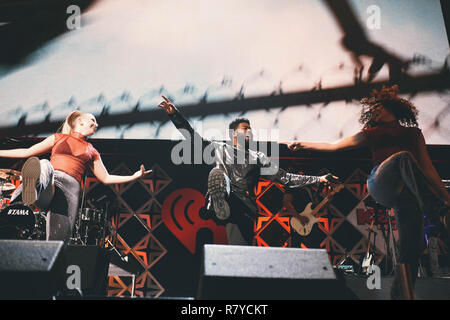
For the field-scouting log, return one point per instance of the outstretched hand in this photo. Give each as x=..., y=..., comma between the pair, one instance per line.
x=330, y=181
x=167, y=105
x=142, y=172
x=295, y=146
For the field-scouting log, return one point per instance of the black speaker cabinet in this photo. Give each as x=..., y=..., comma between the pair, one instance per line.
x=425, y=288
x=91, y=263
x=244, y=272
x=28, y=268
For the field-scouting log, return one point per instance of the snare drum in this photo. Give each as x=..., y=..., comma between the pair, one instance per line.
x=18, y=221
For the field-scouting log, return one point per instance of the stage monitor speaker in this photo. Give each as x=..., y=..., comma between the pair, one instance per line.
x=28, y=268
x=425, y=288
x=244, y=272
x=92, y=263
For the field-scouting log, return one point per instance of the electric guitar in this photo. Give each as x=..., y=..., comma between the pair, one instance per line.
x=368, y=259
x=302, y=223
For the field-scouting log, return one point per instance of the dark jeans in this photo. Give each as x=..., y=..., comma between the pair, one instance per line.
x=399, y=183
x=240, y=227
x=58, y=194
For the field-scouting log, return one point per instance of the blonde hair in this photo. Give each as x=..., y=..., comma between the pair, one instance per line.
x=69, y=123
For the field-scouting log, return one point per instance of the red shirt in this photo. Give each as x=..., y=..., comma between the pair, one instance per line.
x=388, y=138
x=72, y=154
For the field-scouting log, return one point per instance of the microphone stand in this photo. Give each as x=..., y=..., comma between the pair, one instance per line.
x=119, y=254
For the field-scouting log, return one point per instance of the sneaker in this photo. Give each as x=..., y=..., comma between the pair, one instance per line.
x=217, y=190
x=31, y=172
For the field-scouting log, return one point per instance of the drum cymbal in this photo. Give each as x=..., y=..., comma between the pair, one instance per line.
x=9, y=174
x=7, y=186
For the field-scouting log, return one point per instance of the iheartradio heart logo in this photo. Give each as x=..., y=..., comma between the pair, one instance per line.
x=180, y=213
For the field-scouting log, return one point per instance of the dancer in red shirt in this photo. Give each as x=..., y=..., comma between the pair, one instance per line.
x=55, y=185
x=403, y=176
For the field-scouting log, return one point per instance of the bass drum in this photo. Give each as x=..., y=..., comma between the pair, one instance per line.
x=18, y=221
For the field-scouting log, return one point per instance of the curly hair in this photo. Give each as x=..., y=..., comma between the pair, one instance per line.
x=403, y=110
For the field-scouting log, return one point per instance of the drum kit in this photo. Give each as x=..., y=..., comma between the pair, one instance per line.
x=22, y=222
x=90, y=227
x=17, y=221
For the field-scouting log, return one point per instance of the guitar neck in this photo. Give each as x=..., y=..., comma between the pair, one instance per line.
x=370, y=231
x=321, y=204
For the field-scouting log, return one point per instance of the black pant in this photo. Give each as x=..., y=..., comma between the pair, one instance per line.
x=240, y=226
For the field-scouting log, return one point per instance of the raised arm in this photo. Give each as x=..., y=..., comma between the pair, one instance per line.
x=99, y=170
x=37, y=149
x=180, y=122
x=355, y=141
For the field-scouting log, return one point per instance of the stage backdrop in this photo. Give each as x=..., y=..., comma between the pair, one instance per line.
x=155, y=221
x=124, y=55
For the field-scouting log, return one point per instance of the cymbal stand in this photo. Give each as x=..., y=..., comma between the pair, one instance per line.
x=2, y=184
x=392, y=244
x=104, y=225
x=113, y=248
x=76, y=237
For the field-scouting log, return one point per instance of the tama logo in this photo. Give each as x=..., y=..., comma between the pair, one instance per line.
x=18, y=212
